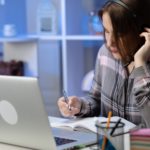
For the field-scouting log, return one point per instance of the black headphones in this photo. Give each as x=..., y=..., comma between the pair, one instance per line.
x=121, y=3
x=130, y=10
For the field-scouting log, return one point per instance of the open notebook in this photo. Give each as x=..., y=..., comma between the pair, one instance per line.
x=86, y=124
x=24, y=121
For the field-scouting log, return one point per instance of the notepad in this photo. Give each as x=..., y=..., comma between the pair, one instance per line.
x=86, y=124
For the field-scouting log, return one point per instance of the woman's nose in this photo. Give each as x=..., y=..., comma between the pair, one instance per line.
x=110, y=41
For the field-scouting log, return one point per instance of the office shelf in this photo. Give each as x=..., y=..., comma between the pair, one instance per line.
x=78, y=48
x=22, y=38
x=59, y=61
x=23, y=48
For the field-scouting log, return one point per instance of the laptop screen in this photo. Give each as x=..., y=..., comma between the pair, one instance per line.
x=24, y=121
x=23, y=117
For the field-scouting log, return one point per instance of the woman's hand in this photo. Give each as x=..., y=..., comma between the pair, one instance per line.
x=70, y=108
x=143, y=54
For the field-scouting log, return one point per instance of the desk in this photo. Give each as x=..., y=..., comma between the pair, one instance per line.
x=54, y=120
x=10, y=147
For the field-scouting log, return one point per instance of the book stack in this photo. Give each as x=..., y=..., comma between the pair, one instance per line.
x=140, y=139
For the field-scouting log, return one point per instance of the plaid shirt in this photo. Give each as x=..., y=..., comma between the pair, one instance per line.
x=114, y=90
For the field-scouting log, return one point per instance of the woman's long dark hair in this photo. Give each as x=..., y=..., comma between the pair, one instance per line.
x=127, y=25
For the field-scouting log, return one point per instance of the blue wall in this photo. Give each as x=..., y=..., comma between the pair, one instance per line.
x=13, y=12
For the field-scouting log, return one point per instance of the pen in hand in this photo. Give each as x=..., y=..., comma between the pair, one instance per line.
x=66, y=99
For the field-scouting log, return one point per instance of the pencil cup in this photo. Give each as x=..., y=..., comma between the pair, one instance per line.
x=114, y=141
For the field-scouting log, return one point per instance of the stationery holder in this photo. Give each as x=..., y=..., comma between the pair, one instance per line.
x=115, y=141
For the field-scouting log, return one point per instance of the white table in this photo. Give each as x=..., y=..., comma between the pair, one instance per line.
x=10, y=147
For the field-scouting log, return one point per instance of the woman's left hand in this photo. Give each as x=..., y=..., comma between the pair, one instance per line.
x=143, y=54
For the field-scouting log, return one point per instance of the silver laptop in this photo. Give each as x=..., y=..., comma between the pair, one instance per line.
x=24, y=121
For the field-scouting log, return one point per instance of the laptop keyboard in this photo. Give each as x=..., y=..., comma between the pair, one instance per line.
x=61, y=141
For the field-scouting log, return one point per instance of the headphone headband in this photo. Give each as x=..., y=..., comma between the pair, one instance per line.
x=119, y=2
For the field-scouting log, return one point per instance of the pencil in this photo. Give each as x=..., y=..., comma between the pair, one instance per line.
x=107, y=126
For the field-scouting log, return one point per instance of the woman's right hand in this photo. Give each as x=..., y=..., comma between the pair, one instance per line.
x=70, y=108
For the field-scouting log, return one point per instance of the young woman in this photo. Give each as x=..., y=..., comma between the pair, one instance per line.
x=121, y=82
